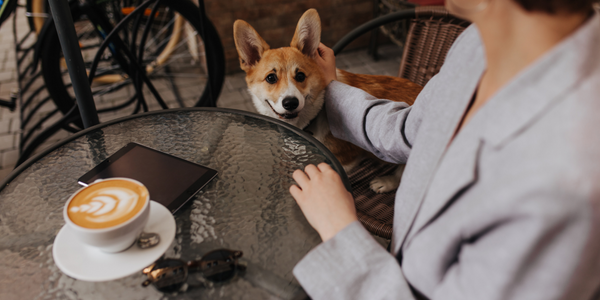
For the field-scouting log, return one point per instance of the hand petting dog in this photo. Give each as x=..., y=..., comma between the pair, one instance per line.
x=326, y=61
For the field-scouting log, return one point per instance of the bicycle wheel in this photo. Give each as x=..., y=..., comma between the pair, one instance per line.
x=190, y=73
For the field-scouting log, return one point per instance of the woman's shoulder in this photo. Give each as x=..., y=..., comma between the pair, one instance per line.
x=466, y=45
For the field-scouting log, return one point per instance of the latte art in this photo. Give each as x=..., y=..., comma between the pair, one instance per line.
x=107, y=203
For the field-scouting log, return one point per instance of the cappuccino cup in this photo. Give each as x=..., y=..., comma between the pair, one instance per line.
x=108, y=214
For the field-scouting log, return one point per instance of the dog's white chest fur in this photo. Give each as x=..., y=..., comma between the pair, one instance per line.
x=319, y=127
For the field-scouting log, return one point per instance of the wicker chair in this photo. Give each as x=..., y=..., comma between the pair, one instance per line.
x=431, y=33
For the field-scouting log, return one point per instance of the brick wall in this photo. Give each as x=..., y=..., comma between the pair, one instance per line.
x=275, y=21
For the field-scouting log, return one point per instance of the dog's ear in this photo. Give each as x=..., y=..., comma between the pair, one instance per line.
x=250, y=46
x=308, y=33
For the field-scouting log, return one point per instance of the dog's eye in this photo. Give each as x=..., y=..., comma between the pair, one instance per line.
x=271, y=78
x=300, y=77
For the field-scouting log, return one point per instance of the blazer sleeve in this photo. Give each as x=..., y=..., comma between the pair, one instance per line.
x=386, y=128
x=352, y=265
x=382, y=127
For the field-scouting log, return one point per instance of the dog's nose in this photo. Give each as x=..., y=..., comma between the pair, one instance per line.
x=290, y=103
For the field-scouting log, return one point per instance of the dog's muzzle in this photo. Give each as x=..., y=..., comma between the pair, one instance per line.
x=285, y=115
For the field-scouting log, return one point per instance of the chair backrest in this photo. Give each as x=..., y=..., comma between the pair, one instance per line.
x=429, y=38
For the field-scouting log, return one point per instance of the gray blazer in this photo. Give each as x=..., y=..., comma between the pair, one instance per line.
x=510, y=209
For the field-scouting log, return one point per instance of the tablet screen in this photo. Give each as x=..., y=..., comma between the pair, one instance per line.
x=171, y=181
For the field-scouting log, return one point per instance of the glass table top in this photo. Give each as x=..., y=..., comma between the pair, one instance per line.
x=247, y=207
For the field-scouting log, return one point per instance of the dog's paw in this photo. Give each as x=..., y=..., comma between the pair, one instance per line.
x=384, y=184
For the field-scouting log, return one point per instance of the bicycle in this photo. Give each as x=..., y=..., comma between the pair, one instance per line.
x=170, y=63
x=37, y=13
x=139, y=53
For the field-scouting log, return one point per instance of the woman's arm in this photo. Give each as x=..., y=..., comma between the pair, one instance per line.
x=362, y=268
x=552, y=237
x=385, y=128
x=352, y=265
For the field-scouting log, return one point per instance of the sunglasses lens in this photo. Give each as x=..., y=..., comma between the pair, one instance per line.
x=219, y=265
x=168, y=275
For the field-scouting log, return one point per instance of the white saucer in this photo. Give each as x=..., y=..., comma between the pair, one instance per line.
x=84, y=262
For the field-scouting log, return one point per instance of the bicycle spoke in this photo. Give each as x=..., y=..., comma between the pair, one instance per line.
x=158, y=34
x=173, y=57
x=112, y=88
x=90, y=47
x=175, y=91
x=178, y=75
x=159, y=69
x=107, y=69
x=162, y=43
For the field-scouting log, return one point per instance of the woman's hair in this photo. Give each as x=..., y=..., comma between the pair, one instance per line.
x=557, y=6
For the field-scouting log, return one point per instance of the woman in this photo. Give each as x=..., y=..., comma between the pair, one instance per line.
x=500, y=198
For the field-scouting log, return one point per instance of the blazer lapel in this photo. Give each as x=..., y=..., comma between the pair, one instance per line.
x=456, y=172
x=522, y=101
x=452, y=91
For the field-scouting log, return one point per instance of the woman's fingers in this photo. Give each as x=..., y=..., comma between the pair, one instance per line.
x=312, y=171
x=296, y=192
x=320, y=53
x=303, y=177
x=300, y=177
x=321, y=50
x=323, y=167
x=324, y=51
x=325, y=58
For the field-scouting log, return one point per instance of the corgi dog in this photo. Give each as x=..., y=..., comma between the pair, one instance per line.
x=287, y=84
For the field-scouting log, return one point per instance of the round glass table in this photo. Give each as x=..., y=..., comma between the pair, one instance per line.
x=247, y=207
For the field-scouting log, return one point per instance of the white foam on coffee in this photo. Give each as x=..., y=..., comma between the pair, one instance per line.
x=108, y=204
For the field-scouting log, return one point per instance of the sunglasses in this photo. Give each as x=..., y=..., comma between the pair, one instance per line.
x=169, y=274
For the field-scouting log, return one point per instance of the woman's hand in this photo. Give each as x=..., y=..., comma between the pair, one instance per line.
x=324, y=200
x=326, y=61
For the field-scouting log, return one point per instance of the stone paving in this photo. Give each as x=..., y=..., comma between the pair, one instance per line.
x=234, y=93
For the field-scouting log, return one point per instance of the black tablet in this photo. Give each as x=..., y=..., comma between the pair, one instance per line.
x=171, y=181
